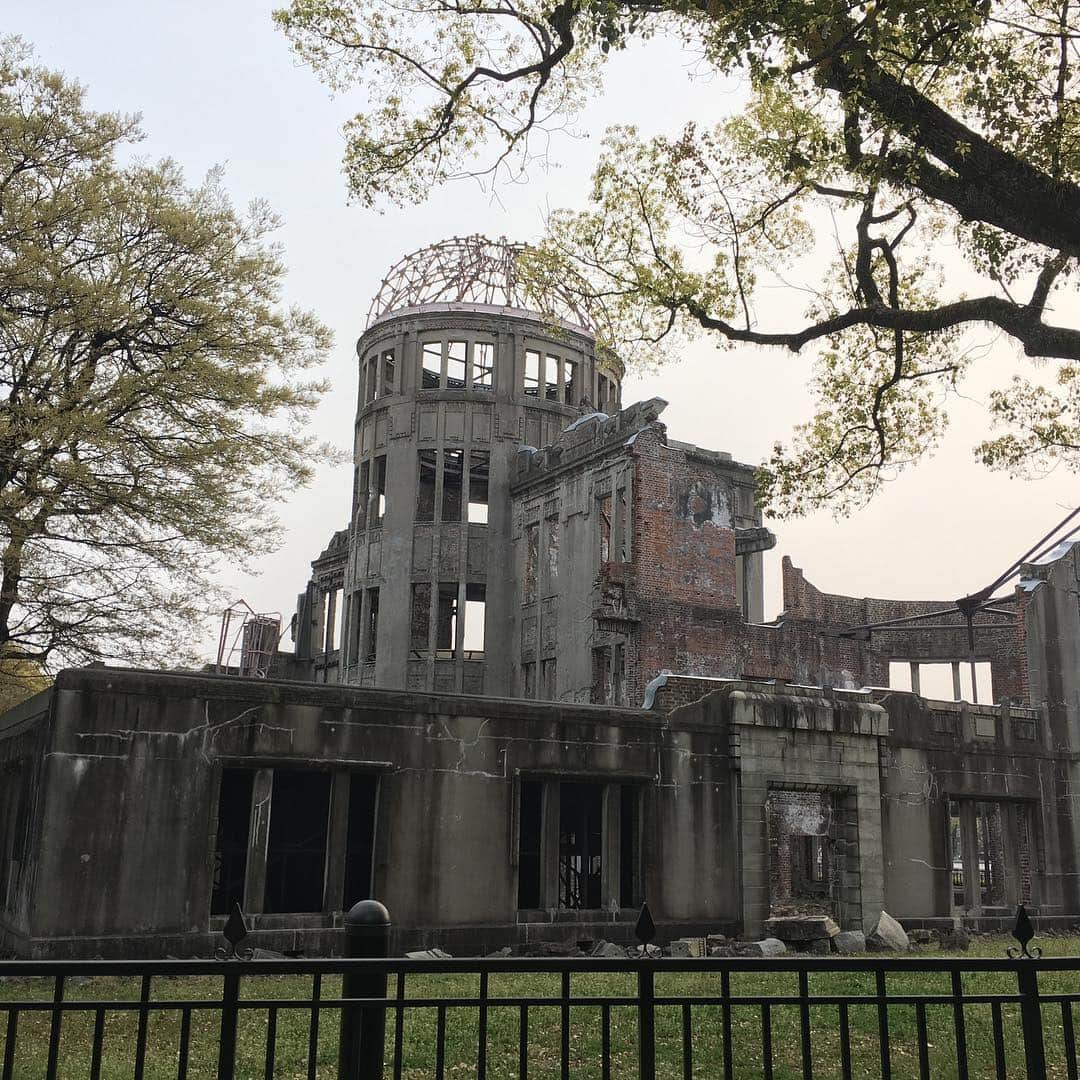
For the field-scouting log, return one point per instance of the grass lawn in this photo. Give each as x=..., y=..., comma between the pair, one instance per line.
x=293, y=1026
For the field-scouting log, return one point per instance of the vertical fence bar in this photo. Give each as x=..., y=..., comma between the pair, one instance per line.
x=313, y=1026
x=646, y=1020
x=9, y=1042
x=230, y=1010
x=523, y=1042
x=564, y=1025
x=271, y=1044
x=725, y=1020
x=144, y=1024
x=399, y=1027
x=924, y=1041
x=845, y=1041
x=96, y=1047
x=959, y=1025
x=482, y=1033
x=440, y=1042
x=54, y=1027
x=999, y=1040
x=1031, y=1017
x=185, y=1044
x=687, y=1043
x=766, y=1042
x=363, y=1027
x=605, y=1043
x=804, y=1025
x=1069, y=1034
x=883, y=1024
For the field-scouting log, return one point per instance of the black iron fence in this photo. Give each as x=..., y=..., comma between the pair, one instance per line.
x=361, y=1019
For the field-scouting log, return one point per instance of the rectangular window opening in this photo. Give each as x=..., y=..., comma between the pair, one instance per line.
x=549, y=679
x=427, y=466
x=371, y=378
x=363, y=480
x=389, y=371
x=622, y=532
x=603, y=519
x=456, y=355
x=446, y=625
x=475, y=618
x=378, y=500
x=602, y=676
x=534, y=364
x=552, y=553
x=479, y=465
x=453, y=465
x=431, y=365
x=551, y=382
x=580, y=845
x=483, y=367
x=629, y=846
x=231, y=844
x=296, y=848
x=569, y=382
x=528, y=680
x=371, y=644
x=419, y=619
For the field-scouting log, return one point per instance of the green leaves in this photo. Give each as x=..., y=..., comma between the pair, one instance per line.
x=150, y=383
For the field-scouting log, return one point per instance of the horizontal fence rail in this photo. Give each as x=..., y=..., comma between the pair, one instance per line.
x=541, y=1018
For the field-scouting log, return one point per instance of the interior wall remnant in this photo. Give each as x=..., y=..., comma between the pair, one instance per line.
x=990, y=854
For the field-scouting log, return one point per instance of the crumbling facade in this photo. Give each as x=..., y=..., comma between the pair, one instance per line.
x=532, y=687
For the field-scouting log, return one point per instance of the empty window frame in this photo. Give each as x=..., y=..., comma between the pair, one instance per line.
x=296, y=846
x=427, y=472
x=553, y=373
x=446, y=623
x=532, y=559
x=568, y=382
x=371, y=380
x=378, y=493
x=479, y=466
x=622, y=526
x=332, y=619
x=431, y=365
x=420, y=619
x=618, y=674
x=452, y=483
x=370, y=644
x=603, y=525
x=575, y=877
x=389, y=371
x=528, y=680
x=363, y=482
x=457, y=354
x=534, y=372
x=990, y=855
x=231, y=842
x=475, y=621
x=483, y=365
x=549, y=679
x=943, y=681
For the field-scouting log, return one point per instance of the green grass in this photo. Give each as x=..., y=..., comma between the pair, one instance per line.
x=585, y=1038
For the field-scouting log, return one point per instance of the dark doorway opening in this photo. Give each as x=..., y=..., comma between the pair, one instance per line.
x=296, y=852
x=360, y=838
x=231, y=846
x=580, y=845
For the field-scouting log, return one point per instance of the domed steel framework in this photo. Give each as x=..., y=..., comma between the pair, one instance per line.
x=467, y=270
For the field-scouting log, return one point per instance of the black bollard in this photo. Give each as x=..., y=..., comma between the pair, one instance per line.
x=363, y=1027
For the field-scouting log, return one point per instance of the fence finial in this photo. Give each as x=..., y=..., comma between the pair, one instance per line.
x=1023, y=931
x=234, y=932
x=645, y=930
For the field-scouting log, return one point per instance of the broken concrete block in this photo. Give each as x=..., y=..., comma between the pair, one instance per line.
x=920, y=937
x=819, y=947
x=609, y=950
x=801, y=927
x=887, y=936
x=500, y=954
x=688, y=947
x=955, y=940
x=428, y=954
x=849, y=941
x=769, y=946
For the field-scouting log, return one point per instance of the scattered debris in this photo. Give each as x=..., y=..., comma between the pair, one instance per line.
x=888, y=936
x=848, y=942
x=428, y=954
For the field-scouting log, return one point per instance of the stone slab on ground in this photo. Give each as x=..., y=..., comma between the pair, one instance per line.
x=687, y=947
x=887, y=936
x=769, y=946
x=801, y=928
x=428, y=954
x=609, y=950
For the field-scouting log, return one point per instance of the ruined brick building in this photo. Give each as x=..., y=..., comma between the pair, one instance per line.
x=532, y=686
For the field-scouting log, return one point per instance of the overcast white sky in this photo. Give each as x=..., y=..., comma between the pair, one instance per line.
x=216, y=84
